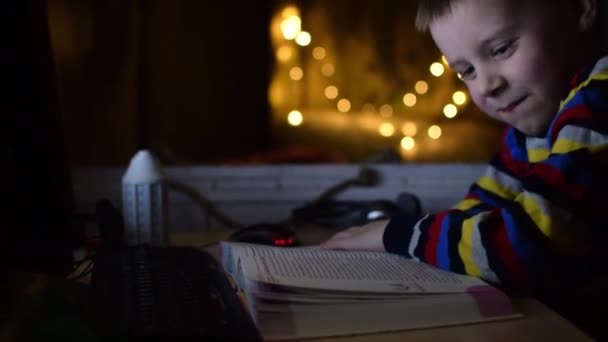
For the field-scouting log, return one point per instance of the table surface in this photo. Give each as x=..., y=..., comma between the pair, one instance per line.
x=538, y=324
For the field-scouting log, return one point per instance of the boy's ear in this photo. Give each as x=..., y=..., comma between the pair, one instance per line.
x=588, y=14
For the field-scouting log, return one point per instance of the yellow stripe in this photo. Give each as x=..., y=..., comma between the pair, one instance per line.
x=543, y=222
x=602, y=75
x=493, y=186
x=557, y=233
x=465, y=247
x=567, y=145
x=536, y=155
x=467, y=204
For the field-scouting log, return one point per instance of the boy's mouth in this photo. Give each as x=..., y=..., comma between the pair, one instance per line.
x=508, y=109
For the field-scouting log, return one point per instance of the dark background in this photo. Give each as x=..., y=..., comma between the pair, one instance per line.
x=185, y=78
x=189, y=80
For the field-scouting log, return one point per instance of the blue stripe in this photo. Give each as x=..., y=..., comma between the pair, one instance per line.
x=577, y=100
x=592, y=97
x=561, y=161
x=569, y=165
x=443, y=258
x=595, y=97
x=476, y=209
x=522, y=247
x=488, y=197
x=516, y=145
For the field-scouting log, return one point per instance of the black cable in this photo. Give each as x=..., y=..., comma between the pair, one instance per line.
x=203, y=202
x=325, y=211
x=365, y=177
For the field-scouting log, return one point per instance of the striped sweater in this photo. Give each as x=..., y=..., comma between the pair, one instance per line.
x=542, y=202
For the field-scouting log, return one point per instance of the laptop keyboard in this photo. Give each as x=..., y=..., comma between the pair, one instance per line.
x=166, y=291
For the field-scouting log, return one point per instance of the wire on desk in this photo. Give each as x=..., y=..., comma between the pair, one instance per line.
x=366, y=177
x=204, y=203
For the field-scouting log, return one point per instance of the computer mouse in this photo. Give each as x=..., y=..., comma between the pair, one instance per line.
x=266, y=234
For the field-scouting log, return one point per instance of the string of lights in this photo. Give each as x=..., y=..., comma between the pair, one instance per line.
x=293, y=47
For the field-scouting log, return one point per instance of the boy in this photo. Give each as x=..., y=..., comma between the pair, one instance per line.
x=535, y=219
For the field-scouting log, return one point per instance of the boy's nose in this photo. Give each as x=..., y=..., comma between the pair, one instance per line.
x=492, y=86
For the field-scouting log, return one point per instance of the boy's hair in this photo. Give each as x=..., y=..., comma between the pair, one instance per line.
x=429, y=10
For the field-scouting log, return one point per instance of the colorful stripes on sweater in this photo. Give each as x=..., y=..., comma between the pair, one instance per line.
x=538, y=198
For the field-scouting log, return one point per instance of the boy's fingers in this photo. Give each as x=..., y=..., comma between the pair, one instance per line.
x=339, y=242
x=345, y=234
x=342, y=234
x=332, y=243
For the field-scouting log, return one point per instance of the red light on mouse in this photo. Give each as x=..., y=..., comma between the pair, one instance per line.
x=281, y=242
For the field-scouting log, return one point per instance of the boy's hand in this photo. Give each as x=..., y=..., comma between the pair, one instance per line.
x=367, y=237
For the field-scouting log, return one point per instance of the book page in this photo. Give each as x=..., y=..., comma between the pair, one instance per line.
x=345, y=271
x=282, y=321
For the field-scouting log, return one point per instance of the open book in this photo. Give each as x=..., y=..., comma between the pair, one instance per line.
x=306, y=292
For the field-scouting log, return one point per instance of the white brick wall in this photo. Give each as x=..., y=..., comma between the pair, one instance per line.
x=250, y=194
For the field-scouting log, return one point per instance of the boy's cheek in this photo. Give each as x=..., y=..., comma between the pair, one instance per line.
x=481, y=104
x=479, y=101
x=529, y=67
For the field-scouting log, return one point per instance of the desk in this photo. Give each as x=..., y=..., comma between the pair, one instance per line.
x=539, y=323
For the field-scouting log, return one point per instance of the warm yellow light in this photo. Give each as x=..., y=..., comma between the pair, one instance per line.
x=319, y=53
x=437, y=69
x=284, y=53
x=368, y=108
x=386, y=110
x=331, y=92
x=290, y=11
x=296, y=73
x=328, y=69
x=408, y=143
x=459, y=97
x=450, y=111
x=344, y=105
x=303, y=38
x=409, y=129
x=434, y=132
x=444, y=60
x=421, y=87
x=295, y=118
x=291, y=26
x=386, y=129
x=409, y=99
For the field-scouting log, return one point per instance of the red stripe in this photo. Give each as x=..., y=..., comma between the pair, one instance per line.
x=472, y=195
x=515, y=270
x=512, y=165
x=556, y=179
x=579, y=114
x=434, y=231
x=518, y=168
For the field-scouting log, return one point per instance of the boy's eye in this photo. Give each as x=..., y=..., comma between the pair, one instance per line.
x=503, y=49
x=467, y=73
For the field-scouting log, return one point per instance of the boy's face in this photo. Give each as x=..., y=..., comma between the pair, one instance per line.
x=515, y=56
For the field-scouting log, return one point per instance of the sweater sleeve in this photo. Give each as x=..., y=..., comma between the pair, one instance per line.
x=520, y=214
